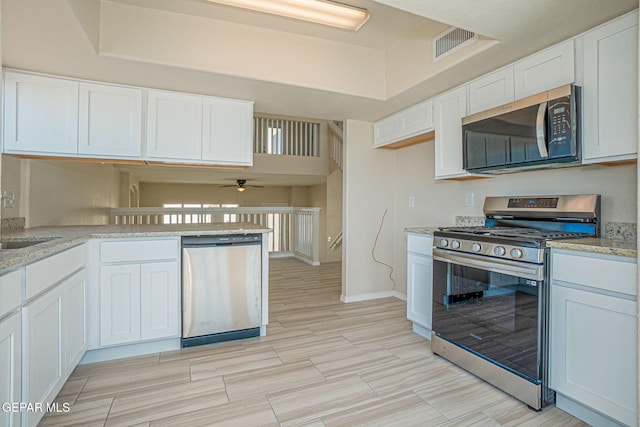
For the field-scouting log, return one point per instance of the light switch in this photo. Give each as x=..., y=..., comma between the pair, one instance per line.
x=412, y=201
x=469, y=200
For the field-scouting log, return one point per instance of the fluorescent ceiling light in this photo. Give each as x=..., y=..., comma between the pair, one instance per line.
x=319, y=11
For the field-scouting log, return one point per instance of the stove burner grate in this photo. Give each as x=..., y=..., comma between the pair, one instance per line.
x=515, y=232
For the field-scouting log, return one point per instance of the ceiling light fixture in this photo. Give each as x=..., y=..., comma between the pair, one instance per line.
x=319, y=11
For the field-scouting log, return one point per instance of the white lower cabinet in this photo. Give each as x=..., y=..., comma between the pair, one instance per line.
x=53, y=328
x=159, y=300
x=593, y=337
x=419, y=282
x=43, y=347
x=74, y=319
x=119, y=304
x=10, y=368
x=139, y=301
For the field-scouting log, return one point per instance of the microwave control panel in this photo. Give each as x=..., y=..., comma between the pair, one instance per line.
x=561, y=128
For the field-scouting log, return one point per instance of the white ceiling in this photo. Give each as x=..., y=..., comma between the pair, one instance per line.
x=67, y=37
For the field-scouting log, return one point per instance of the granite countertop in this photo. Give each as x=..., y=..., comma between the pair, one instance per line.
x=422, y=230
x=620, y=247
x=64, y=237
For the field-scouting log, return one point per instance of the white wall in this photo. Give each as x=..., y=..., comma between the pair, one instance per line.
x=60, y=192
x=368, y=193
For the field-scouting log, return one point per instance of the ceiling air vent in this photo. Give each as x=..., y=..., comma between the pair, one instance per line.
x=450, y=41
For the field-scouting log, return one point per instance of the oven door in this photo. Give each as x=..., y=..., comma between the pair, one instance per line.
x=491, y=307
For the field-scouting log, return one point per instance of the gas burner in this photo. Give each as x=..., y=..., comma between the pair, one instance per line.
x=514, y=232
x=519, y=233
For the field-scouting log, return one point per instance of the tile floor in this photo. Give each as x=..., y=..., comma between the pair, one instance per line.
x=323, y=363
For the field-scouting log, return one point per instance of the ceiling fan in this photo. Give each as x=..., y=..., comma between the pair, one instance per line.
x=241, y=185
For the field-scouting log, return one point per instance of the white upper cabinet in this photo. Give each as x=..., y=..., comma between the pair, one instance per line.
x=449, y=109
x=411, y=122
x=545, y=70
x=110, y=120
x=40, y=114
x=386, y=130
x=53, y=116
x=491, y=90
x=610, y=91
x=227, y=131
x=174, y=125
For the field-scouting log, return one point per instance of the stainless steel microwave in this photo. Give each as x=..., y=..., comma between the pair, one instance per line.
x=536, y=132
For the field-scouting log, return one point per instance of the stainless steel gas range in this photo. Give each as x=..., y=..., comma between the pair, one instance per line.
x=491, y=289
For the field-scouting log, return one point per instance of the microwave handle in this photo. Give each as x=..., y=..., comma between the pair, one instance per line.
x=540, y=130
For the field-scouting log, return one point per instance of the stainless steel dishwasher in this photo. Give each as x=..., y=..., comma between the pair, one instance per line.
x=221, y=288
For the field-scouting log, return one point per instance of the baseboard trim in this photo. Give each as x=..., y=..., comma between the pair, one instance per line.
x=371, y=296
x=118, y=352
x=313, y=263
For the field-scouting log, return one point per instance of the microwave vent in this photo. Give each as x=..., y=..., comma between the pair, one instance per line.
x=452, y=40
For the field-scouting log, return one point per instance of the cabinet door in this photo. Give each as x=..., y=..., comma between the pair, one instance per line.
x=545, y=70
x=159, y=300
x=43, y=357
x=119, y=304
x=40, y=114
x=593, y=351
x=10, y=368
x=386, y=130
x=492, y=90
x=419, y=289
x=174, y=125
x=449, y=110
x=227, y=132
x=610, y=91
x=74, y=319
x=110, y=121
x=416, y=120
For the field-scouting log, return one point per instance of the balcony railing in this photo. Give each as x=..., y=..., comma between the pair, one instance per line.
x=296, y=231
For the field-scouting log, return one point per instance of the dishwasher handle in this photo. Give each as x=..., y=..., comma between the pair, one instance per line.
x=221, y=240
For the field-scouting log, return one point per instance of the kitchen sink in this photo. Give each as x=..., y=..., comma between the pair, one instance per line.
x=24, y=243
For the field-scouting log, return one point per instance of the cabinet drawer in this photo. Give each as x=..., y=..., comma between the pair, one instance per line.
x=10, y=291
x=420, y=244
x=138, y=250
x=615, y=274
x=42, y=274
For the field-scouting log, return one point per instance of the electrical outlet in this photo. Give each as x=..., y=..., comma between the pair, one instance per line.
x=8, y=199
x=469, y=200
x=412, y=201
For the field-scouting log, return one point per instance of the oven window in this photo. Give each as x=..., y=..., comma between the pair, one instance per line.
x=492, y=314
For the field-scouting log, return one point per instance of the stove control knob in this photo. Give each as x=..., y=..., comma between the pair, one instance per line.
x=499, y=250
x=455, y=244
x=516, y=253
x=444, y=243
x=476, y=247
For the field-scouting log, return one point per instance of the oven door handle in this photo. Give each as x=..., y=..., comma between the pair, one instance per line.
x=496, y=265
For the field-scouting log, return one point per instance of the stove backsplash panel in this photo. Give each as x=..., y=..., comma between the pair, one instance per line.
x=620, y=230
